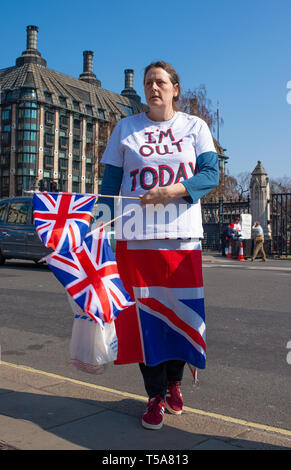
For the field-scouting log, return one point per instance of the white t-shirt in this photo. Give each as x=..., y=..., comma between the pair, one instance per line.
x=154, y=154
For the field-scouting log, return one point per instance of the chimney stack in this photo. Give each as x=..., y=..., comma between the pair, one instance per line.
x=31, y=53
x=128, y=85
x=128, y=82
x=88, y=75
x=88, y=62
x=31, y=38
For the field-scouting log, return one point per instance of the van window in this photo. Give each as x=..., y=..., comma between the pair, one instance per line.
x=18, y=213
x=3, y=211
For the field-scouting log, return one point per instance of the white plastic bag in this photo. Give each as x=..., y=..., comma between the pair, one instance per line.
x=91, y=346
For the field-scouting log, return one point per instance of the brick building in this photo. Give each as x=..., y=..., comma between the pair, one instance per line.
x=54, y=127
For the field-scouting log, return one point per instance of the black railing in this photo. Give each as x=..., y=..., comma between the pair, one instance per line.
x=281, y=224
x=216, y=215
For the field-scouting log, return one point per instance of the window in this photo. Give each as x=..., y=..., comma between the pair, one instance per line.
x=49, y=139
x=76, y=165
x=48, y=97
x=64, y=121
x=101, y=113
x=63, y=142
x=63, y=164
x=27, y=125
x=28, y=93
x=6, y=114
x=3, y=211
x=76, y=105
x=77, y=123
x=29, y=158
x=48, y=161
x=18, y=213
x=89, y=109
x=76, y=145
x=49, y=118
x=5, y=138
x=29, y=148
x=63, y=101
x=27, y=135
x=12, y=95
x=127, y=109
x=27, y=113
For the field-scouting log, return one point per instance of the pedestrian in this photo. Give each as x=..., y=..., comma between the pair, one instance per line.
x=237, y=227
x=167, y=159
x=258, y=235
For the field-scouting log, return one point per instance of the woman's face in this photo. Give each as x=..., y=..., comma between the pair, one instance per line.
x=159, y=90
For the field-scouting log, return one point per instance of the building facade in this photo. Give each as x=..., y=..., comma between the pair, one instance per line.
x=54, y=127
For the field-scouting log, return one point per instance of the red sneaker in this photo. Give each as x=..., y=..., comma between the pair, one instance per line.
x=153, y=416
x=174, y=399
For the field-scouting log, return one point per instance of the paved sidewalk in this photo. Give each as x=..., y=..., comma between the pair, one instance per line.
x=42, y=411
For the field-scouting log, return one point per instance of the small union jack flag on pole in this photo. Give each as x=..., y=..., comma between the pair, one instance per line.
x=62, y=219
x=91, y=277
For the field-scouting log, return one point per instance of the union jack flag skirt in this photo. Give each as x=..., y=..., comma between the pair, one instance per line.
x=164, y=277
x=62, y=219
x=91, y=278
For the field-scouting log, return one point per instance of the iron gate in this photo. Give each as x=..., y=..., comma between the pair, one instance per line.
x=216, y=215
x=281, y=223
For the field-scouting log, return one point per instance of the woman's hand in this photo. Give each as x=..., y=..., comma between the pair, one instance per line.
x=164, y=194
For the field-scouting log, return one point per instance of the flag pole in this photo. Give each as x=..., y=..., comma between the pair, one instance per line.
x=88, y=194
x=110, y=222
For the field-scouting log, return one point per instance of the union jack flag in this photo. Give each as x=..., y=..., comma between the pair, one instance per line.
x=62, y=219
x=91, y=277
x=168, y=320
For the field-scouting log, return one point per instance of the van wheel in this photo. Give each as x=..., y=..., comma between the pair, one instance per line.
x=2, y=259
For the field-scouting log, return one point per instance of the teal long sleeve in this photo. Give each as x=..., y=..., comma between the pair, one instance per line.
x=111, y=184
x=205, y=179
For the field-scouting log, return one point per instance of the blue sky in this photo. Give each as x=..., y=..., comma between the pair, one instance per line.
x=240, y=50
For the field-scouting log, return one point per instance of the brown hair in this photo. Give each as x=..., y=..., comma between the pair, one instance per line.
x=174, y=77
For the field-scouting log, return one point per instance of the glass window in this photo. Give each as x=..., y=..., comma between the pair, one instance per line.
x=28, y=93
x=48, y=97
x=5, y=115
x=29, y=135
x=29, y=158
x=29, y=125
x=63, y=142
x=127, y=109
x=101, y=113
x=49, y=118
x=63, y=101
x=64, y=121
x=77, y=123
x=48, y=161
x=29, y=148
x=27, y=113
x=18, y=213
x=49, y=139
x=3, y=211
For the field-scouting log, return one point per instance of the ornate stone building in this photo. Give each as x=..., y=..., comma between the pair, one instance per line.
x=54, y=127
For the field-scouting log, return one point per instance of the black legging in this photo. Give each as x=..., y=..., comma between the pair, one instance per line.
x=157, y=377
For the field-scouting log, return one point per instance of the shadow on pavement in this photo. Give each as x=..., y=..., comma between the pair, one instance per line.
x=42, y=421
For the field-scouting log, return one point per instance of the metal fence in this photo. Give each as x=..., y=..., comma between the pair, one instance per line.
x=281, y=224
x=216, y=215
